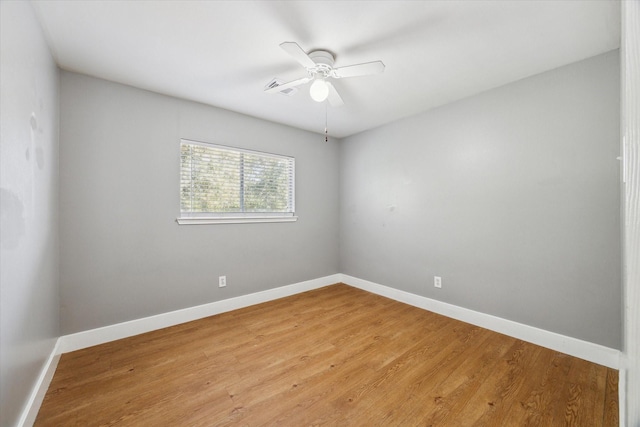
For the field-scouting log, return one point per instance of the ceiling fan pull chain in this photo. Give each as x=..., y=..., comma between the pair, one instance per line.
x=326, y=136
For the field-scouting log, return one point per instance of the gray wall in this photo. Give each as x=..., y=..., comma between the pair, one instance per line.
x=512, y=196
x=29, y=304
x=123, y=256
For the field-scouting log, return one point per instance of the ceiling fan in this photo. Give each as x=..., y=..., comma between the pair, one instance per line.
x=319, y=66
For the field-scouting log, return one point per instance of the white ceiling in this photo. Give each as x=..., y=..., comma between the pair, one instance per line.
x=223, y=53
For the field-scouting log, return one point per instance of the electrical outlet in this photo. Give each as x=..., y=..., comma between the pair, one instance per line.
x=437, y=281
x=222, y=281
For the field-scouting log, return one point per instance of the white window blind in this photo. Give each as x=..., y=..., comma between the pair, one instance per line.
x=229, y=184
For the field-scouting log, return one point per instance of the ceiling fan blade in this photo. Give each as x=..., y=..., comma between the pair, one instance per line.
x=283, y=86
x=366, y=69
x=334, y=97
x=293, y=49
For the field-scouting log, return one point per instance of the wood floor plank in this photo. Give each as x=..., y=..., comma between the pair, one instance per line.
x=332, y=356
x=432, y=382
x=611, y=410
x=482, y=383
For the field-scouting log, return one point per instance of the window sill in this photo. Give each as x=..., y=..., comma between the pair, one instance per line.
x=235, y=220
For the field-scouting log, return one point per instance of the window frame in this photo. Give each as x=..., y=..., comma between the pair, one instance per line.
x=195, y=218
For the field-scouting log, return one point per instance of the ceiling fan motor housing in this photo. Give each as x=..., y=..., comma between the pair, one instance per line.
x=324, y=62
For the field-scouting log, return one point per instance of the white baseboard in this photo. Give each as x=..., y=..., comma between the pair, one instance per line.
x=583, y=349
x=118, y=331
x=572, y=346
x=32, y=407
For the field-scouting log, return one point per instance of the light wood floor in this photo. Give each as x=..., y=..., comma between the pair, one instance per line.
x=336, y=356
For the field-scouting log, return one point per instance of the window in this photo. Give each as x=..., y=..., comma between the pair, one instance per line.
x=221, y=184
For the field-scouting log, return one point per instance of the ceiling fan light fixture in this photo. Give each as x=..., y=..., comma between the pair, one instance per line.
x=319, y=90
